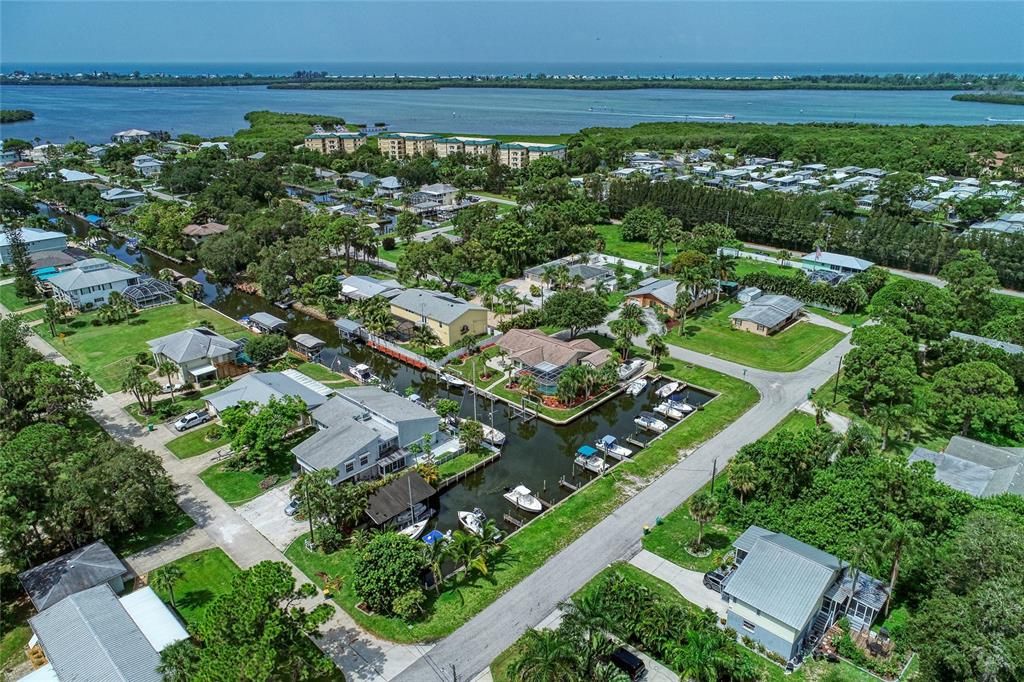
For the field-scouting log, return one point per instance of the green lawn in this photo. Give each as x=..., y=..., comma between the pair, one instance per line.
x=165, y=410
x=13, y=302
x=12, y=645
x=746, y=266
x=554, y=413
x=529, y=548
x=393, y=254
x=615, y=245
x=795, y=347
x=206, y=575
x=458, y=464
x=794, y=421
x=474, y=366
x=106, y=351
x=239, y=487
x=175, y=524
x=197, y=441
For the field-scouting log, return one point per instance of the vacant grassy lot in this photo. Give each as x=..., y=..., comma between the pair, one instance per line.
x=175, y=524
x=615, y=245
x=457, y=465
x=206, y=575
x=197, y=441
x=106, y=351
x=795, y=347
x=10, y=300
x=533, y=545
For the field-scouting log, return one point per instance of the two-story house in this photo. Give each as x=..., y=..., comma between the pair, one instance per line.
x=89, y=283
x=364, y=433
x=200, y=355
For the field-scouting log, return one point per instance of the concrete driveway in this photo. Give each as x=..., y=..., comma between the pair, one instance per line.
x=266, y=514
x=688, y=583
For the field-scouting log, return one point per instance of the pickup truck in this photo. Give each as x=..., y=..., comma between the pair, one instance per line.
x=192, y=419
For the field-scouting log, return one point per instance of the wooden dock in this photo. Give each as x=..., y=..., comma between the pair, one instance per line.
x=571, y=487
x=513, y=521
x=452, y=480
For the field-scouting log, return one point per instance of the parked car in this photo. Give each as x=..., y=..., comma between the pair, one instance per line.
x=292, y=507
x=177, y=388
x=192, y=419
x=629, y=663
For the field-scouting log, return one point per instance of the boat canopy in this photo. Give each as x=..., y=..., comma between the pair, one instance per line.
x=433, y=536
x=608, y=441
x=586, y=451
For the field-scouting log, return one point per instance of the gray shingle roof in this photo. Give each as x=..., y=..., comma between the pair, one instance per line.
x=192, y=344
x=662, y=289
x=394, y=498
x=434, y=305
x=769, y=311
x=90, y=636
x=260, y=387
x=69, y=573
x=91, y=272
x=976, y=468
x=784, y=578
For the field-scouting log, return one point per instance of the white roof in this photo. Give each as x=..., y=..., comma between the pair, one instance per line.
x=156, y=621
x=132, y=132
x=75, y=176
x=839, y=259
x=119, y=194
x=33, y=234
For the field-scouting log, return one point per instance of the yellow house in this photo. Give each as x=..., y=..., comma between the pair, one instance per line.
x=332, y=143
x=404, y=145
x=448, y=316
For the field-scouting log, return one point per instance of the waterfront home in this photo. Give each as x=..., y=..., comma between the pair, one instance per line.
x=785, y=594
x=471, y=146
x=120, y=195
x=18, y=168
x=439, y=193
x=767, y=315
x=36, y=241
x=546, y=357
x=976, y=468
x=520, y=154
x=200, y=355
x=46, y=152
x=365, y=433
x=825, y=260
x=146, y=166
x=94, y=635
x=448, y=316
x=1005, y=346
x=79, y=569
x=131, y=135
x=390, y=187
x=334, y=143
x=260, y=387
x=359, y=287
x=361, y=179
x=219, y=146
x=198, y=233
x=662, y=293
x=90, y=282
x=73, y=176
x=8, y=155
x=406, y=145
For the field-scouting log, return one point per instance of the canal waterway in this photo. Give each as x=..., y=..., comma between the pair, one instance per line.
x=536, y=454
x=93, y=114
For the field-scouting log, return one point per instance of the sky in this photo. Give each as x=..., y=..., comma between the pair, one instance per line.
x=490, y=31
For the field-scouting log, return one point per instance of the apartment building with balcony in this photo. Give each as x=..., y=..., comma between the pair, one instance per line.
x=405, y=145
x=333, y=143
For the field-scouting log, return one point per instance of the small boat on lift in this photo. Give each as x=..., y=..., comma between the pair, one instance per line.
x=523, y=497
x=611, y=447
x=452, y=380
x=587, y=458
x=415, y=530
x=670, y=409
x=363, y=374
x=646, y=420
x=667, y=390
x=636, y=387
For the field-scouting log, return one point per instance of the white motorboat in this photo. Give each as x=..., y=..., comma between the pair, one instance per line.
x=593, y=463
x=628, y=369
x=523, y=497
x=363, y=374
x=636, y=387
x=473, y=521
x=672, y=409
x=610, y=446
x=452, y=380
x=667, y=390
x=646, y=420
x=491, y=434
x=415, y=530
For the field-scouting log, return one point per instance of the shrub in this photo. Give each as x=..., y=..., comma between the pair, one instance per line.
x=388, y=243
x=266, y=347
x=409, y=606
x=387, y=568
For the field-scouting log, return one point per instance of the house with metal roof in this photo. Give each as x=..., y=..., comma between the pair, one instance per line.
x=360, y=287
x=73, y=176
x=261, y=387
x=200, y=354
x=120, y=195
x=662, y=294
x=265, y=323
x=766, y=315
x=147, y=166
x=35, y=240
x=825, y=260
x=439, y=193
x=976, y=468
x=364, y=433
x=93, y=635
x=80, y=569
x=785, y=594
x=89, y=283
x=546, y=357
x=131, y=135
x=1005, y=346
x=390, y=187
x=450, y=317
x=360, y=178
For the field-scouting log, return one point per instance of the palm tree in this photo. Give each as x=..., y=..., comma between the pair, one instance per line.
x=137, y=382
x=888, y=417
x=547, y=656
x=193, y=290
x=608, y=375
x=468, y=550
x=51, y=316
x=743, y=478
x=166, y=578
x=684, y=298
x=106, y=314
x=658, y=235
x=167, y=370
x=632, y=312
x=700, y=658
x=527, y=384
x=436, y=554
x=165, y=274
x=901, y=535
x=725, y=269
x=703, y=509
x=864, y=552
x=488, y=292
x=625, y=329
x=659, y=349
x=425, y=336
x=119, y=304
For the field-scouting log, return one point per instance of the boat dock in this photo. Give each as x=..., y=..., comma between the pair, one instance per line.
x=564, y=483
x=452, y=480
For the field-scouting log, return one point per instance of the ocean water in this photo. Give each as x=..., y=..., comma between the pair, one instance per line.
x=95, y=113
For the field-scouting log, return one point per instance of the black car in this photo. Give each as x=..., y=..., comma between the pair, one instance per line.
x=628, y=663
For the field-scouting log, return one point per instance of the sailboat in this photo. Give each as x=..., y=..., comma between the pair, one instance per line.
x=417, y=527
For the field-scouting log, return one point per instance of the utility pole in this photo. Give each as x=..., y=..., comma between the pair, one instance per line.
x=835, y=388
x=714, y=471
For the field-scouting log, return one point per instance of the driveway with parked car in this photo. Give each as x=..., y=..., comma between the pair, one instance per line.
x=267, y=515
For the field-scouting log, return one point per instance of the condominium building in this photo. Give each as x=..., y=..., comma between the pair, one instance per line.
x=473, y=146
x=404, y=145
x=520, y=154
x=332, y=143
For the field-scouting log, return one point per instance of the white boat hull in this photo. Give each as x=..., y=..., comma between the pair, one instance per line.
x=415, y=530
x=471, y=522
x=667, y=390
x=593, y=464
x=523, y=499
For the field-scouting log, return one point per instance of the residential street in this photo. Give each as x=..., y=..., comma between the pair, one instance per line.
x=471, y=648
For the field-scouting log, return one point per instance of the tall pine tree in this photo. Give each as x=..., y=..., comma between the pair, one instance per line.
x=21, y=264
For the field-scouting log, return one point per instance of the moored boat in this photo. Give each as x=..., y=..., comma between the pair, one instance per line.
x=415, y=530
x=646, y=420
x=610, y=446
x=636, y=387
x=491, y=434
x=587, y=458
x=363, y=374
x=670, y=409
x=667, y=390
x=451, y=379
x=473, y=521
x=523, y=498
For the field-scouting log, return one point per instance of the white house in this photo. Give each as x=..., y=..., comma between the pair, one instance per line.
x=146, y=166
x=74, y=176
x=132, y=135
x=89, y=283
x=36, y=241
x=120, y=195
x=440, y=193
